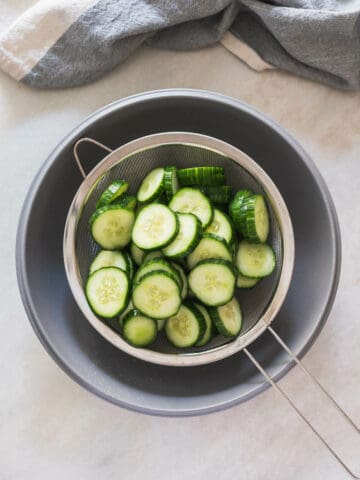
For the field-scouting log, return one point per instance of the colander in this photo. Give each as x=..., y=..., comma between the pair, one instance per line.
x=260, y=305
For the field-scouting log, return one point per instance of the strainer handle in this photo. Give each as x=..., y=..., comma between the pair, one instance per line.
x=293, y=405
x=88, y=140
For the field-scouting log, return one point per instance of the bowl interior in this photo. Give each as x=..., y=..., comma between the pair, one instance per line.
x=133, y=168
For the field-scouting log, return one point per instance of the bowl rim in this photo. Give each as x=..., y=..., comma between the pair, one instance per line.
x=79, y=130
x=274, y=197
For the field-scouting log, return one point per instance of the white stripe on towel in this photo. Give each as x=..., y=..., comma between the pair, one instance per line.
x=244, y=52
x=35, y=32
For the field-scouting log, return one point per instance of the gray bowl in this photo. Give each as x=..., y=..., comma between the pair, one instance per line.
x=127, y=381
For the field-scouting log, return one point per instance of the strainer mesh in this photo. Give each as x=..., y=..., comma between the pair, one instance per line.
x=133, y=168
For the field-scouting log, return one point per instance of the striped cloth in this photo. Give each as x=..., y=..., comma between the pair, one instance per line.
x=64, y=43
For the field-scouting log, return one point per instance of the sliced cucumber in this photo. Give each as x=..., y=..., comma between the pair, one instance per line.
x=157, y=264
x=227, y=318
x=213, y=281
x=139, y=330
x=184, y=290
x=188, y=236
x=129, y=307
x=186, y=327
x=107, y=291
x=221, y=226
x=108, y=258
x=155, y=227
x=112, y=192
x=137, y=254
x=152, y=186
x=111, y=226
x=235, y=207
x=202, y=176
x=219, y=194
x=246, y=282
x=210, y=246
x=191, y=200
x=171, y=183
x=126, y=201
x=255, y=260
x=157, y=295
x=130, y=267
x=209, y=326
x=254, y=219
x=153, y=254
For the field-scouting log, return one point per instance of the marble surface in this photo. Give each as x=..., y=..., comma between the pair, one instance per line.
x=52, y=428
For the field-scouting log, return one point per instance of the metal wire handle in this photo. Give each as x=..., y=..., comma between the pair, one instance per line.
x=257, y=364
x=293, y=405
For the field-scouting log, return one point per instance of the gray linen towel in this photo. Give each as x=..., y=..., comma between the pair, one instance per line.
x=72, y=42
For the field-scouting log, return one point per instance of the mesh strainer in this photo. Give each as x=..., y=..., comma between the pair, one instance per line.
x=260, y=305
x=131, y=162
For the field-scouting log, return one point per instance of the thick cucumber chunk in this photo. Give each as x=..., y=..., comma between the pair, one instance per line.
x=107, y=291
x=227, y=318
x=254, y=219
x=184, y=289
x=152, y=186
x=188, y=236
x=190, y=200
x=111, y=226
x=255, y=260
x=157, y=264
x=139, y=330
x=218, y=194
x=157, y=295
x=210, y=246
x=108, y=258
x=155, y=227
x=235, y=207
x=202, y=176
x=136, y=253
x=221, y=226
x=213, y=281
x=246, y=282
x=186, y=327
x=115, y=190
x=126, y=201
x=209, y=327
x=171, y=182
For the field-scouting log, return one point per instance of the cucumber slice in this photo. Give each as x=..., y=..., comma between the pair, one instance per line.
x=246, y=282
x=157, y=295
x=213, y=282
x=111, y=226
x=137, y=254
x=235, y=207
x=126, y=201
x=255, y=260
x=171, y=182
x=152, y=186
x=227, y=318
x=254, y=219
x=210, y=246
x=188, y=236
x=221, y=226
x=160, y=324
x=107, y=291
x=153, y=254
x=157, y=264
x=129, y=307
x=180, y=270
x=139, y=330
x=112, y=192
x=202, y=176
x=108, y=258
x=130, y=267
x=155, y=227
x=191, y=200
x=208, y=330
x=186, y=327
x=218, y=194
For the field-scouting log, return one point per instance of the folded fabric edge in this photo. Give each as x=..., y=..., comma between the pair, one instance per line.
x=245, y=53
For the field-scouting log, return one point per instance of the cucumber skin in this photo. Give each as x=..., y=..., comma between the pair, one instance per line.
x=206, y=337
x=247, y=219
x=169, y=172
x=217, y=194
x=127, y=318
x=126, y=300
x=215, y=317
x=126, y=201
x=110, y=194
x=235, y=207
x=201, y=176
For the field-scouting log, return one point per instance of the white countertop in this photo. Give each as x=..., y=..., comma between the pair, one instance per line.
x=50, y=428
